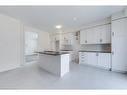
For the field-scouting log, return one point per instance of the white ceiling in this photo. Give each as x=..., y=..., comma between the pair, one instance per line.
x=46, y=17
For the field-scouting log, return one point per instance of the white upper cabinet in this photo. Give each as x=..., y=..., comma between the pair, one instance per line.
x=105, y=34
x=57, y=37
x=83, y=35
x=90, y=36
x=67, y=39
x=96, y=35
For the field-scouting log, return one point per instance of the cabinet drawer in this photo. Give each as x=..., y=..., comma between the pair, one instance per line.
x=82, y=54
x=83, y=62
x=83, y=58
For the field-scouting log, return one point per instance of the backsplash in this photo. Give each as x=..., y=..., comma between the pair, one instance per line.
x=67, y=47
x=97, y=47
x=88, y=47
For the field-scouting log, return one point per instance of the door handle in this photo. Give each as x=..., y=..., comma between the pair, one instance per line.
x=96, y=54
x=112, y=52
x=112, y=33
x=100, y=40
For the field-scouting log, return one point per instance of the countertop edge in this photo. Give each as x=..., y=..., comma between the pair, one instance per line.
x=52, y=54
x=97, y=51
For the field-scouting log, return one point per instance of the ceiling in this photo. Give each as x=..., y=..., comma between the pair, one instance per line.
x=71, y=18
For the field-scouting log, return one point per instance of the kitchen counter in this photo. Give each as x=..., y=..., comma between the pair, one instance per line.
x=54, y=62
x=95, y=51
x=54, y=53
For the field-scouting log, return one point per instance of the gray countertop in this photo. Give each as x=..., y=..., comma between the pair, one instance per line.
x=54, y=53
x=95, y=51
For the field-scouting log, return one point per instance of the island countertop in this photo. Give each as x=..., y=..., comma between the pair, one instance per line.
x=54, y=53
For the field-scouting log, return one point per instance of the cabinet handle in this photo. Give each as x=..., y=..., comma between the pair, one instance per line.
x=112, y=52
x=96, y=54
x=100, y=40
x=112, y=33
x=85, y=41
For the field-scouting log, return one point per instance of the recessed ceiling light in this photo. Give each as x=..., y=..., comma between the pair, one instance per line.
x=58, y=26
x=74, y=18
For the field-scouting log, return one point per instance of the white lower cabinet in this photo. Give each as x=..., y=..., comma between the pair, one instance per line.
x=92, y=58
x=83, y=58
x=102, y=60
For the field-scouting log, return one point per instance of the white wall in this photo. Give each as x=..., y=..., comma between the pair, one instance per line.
x=10, y=43
x=43, y=38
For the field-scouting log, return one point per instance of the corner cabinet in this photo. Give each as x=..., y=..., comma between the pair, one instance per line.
x=96, y=35
x=101, y=60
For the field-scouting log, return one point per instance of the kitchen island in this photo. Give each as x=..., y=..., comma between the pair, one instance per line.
x=56, y=63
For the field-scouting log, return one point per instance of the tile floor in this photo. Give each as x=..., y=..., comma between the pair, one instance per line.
x=80, y=77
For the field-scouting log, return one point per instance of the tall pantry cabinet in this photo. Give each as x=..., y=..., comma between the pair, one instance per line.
x=119, y=42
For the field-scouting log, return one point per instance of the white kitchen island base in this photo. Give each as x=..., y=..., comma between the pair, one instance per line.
x=55, y=64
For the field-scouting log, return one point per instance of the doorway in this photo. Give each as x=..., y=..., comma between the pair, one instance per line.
x=31, y=43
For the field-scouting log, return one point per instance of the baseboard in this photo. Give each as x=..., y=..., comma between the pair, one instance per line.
x=119, y=71
x=9, y=69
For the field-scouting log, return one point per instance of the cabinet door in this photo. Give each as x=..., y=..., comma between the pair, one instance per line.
x=70, y=38
x=92, y=59
x=105, y=34
x=93, y=36
x=83, y=37
x=96, y=35
x=62, y=39
x=90, y=36
x=104, y=60
x=57, y=37
x=119, y=45
x=66, y=39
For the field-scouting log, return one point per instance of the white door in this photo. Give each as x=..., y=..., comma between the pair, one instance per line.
x=92, y=58
x=104, y=60
x=31, y=39
x=31, y=45
x=119, y=57
x=119, y=44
